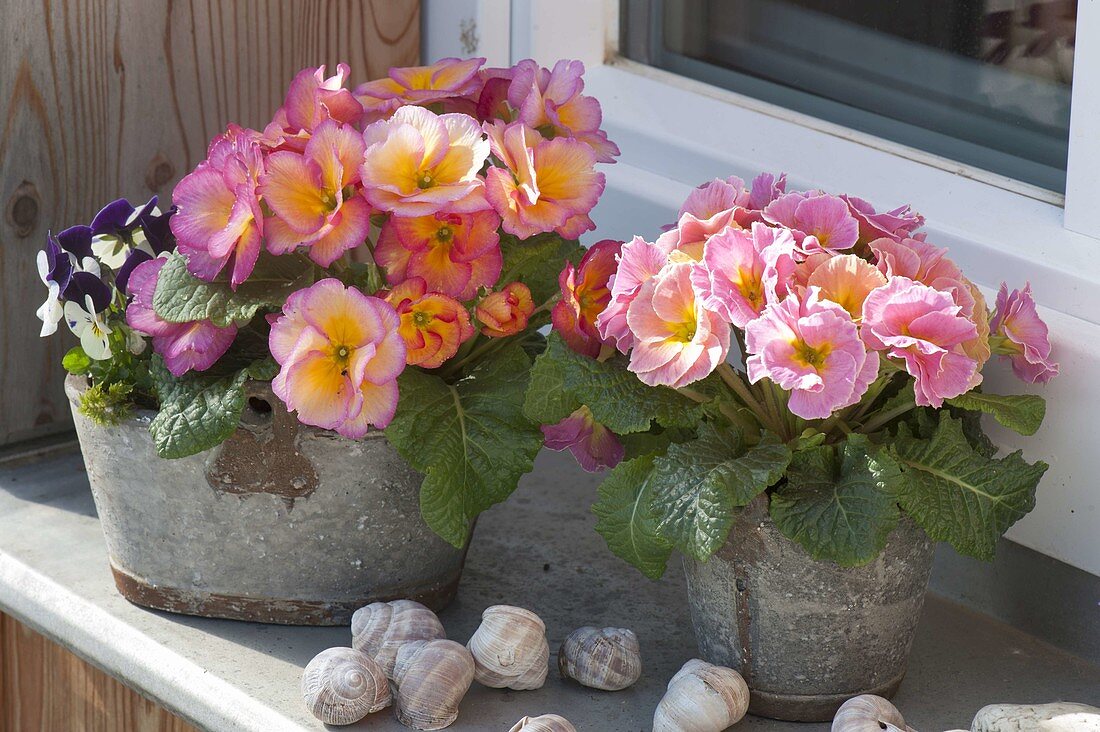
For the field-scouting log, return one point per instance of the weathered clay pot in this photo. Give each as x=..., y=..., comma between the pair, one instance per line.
x=282, y=523
x=807, y=635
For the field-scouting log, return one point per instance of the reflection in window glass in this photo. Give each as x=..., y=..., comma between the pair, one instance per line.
x=984, y=82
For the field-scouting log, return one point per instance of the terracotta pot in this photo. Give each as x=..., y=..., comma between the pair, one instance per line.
x=808, y=635
x=282, y=523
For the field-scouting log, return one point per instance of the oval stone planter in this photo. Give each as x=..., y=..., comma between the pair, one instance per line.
x=282, y=523
x=808, y=635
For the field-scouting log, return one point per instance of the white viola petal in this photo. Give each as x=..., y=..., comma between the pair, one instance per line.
x=43, y=266
x=50, y=312
x=110, y=250
x=94, y=340
x=77, y=318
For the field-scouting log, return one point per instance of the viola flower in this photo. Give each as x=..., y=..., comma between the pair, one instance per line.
x=433, y=325
x=340, y=354
x=846, y=280
x=183, y=346
x=443, y=80
x=219, y=223
x=923, y=327
x=455, y=254
x=896, y=224
x=86, y=324
x=55, y=269
x=505, y=312
x=594, y=446
x=811, y=348
x=819, y=222
x=743, y=271
x=584, y=295
x=546, y=185
x=418, y=163
x=1022, y=336
x=550, y=101
x=311, y=99
x=308, y=193
x=638, y=261
x=676, y=339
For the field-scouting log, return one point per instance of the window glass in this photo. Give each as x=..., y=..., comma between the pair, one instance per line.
x=984, y=82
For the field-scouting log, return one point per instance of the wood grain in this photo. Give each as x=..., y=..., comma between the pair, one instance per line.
x=45, y=688
x=103, y=98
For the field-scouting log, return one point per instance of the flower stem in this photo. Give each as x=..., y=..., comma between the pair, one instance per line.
x=883, y=418
x=735, y=382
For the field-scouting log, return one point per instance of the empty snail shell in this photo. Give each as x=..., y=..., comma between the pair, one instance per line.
x=601, y=658
x=702, y=697
x=431, y=677
x=868, y=713
x=510, y=649
x=545, y=723
x=343, y=685
x=380, y=628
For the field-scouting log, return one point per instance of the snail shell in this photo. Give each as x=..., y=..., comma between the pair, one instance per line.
x=431, y=677
x=545, y=723
x=868, y=713
x=380, y=628
x=510, y=649
x=601, y=658
x=702, y=697
x=343, y=685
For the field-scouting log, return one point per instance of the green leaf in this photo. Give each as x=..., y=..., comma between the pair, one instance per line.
x=470, y=439
x=537, y=262
x=957, y=494
x=698, y=486
x=76, y=361
x=181, y=297
x=197, y=411
x=264, y=369
x=625, y=518
x=563, y=380
x=1021, y=413
x=838, y=506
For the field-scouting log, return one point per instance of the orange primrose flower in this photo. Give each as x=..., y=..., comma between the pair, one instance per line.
x=505, y=312
x=433, y=325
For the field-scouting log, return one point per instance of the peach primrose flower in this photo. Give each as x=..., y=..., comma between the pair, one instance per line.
x=676, y=339
x=594, y=446
x=896, y=224
x=1022, y=336
x=923, y=327
x=219, y=222
x=309, y=194
x=311, y=99
x=743, y=271
x=453, y=253
x=340, y=354
x=445, y=79
x=638, y=261
x=546, y=185
x=433, y=325
x=505, y=312
x=811, y=348
x=846, y=280
x=418, y=163
x=584, y=295
x=819, y=222
x=716, y=196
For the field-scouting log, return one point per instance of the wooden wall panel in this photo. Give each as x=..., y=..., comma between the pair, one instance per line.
x=102, y=98
x=45, y=688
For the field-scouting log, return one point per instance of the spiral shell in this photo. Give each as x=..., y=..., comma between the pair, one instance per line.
x=601, y=658
x=545, y=723
x=431, y=677
x=379, y=629
x=868, y=713
x=510, y=649
x=343, y=685
x=702, y=697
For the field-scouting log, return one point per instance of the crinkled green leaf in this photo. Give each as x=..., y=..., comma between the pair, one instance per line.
x=470, y=439
x=197, y=411
x=181, y=297
x=698, y=486
x=1021, y=413
x=957, y=494
x=626, y=519
x=563, y=380
x=537, y=262
x=838, y=507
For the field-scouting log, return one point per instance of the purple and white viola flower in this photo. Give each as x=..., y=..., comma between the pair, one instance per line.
x=120, y=229
x=86, y=324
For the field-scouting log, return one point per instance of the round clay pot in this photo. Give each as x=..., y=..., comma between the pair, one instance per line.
x=282, y=523
x=808, y=635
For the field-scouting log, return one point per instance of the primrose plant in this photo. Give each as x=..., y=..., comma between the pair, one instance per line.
x=796, y=348
x=383, y=255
